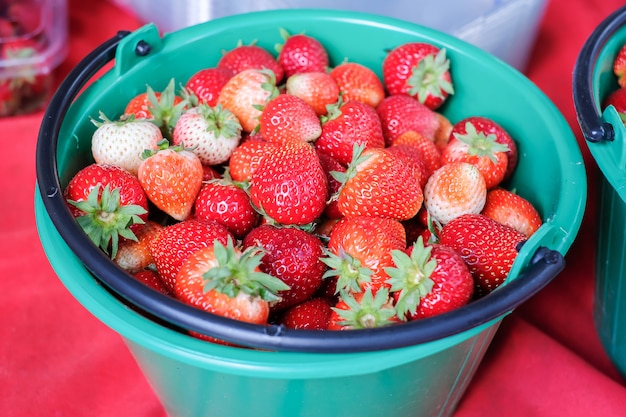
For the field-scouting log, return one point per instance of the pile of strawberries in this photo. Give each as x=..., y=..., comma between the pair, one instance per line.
x=617, y=97
x=279, y=189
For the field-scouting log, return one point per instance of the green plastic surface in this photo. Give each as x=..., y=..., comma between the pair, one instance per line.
x=610, y=294
x=195, y=378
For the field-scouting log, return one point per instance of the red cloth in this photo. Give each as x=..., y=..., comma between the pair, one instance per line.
x=56, y=359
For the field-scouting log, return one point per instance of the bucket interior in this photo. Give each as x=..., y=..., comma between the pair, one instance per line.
x=484, y=86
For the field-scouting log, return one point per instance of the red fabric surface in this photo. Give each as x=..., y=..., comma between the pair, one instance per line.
x=56, y=359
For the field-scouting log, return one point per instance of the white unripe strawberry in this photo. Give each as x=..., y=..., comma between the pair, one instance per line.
x=122, y=142
x=212, y=133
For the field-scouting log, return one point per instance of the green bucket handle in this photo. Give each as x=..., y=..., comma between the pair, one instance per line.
x=543, y=266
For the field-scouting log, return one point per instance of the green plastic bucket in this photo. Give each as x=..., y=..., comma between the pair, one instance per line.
x=421, y=368
x=606, y=139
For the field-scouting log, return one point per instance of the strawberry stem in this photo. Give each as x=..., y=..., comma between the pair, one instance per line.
x=411, y=277
x=370, y=312
x=351, y=274
x=480, y=144
x=106, y=219
x=237, y=272
x=427, y=78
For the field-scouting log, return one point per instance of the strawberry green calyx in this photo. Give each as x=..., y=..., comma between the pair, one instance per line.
x=220, y=121
x=428, y=77
x=411, y=277
x=164, y=109
x=238, y=271
x=351, y=275
x=106, y=219
x=333, y=110
x=351, y=171
x=369, y=312
x=104, y=119
x=163, y=145
x=270, y=84
x=480, y=144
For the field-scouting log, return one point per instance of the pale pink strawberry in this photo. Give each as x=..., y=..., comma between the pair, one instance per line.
x=212, y=133
x=246, y=93
x=318, y=89
x=454, y=189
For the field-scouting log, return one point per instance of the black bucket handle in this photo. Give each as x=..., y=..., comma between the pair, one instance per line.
x=544, y=265
x=590, y=120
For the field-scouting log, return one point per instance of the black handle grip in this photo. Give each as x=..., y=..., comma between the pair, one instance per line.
x=589, y=118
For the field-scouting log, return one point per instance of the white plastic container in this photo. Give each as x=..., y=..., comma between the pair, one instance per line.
x=505, y=28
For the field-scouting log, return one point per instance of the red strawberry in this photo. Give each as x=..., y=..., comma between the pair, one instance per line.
x=330, y=164
x=27, y=15
x=488, y=126
x=123, y=142
x=27, y=78
x=289, y=118
x=430, y=154
x=247, y=157
x=412, y=158
x=454, y=189
x=428, y=280
x=228, y=204
x=152, y=280
x=420, y=70
x=7, y=29
x=619, y=66
x=318, y=89
x=347, y=124
x=244, y=57
x=174, y=243
x=358, y=82
x=245, y=93
x=293, y=256
x=171, y=178
x=162, y=108
x=617, y=98
x=301, y=53
x=488, y=247
x=311, y=314
x=133, y=256
x=378, y=183
x=478, y=149
x=513, y=210
x=363, y=310
x=209, y=173
x=400, y=113
x=289, y=186
x=360, y=248
x=212, y=133
x=223, y=280
x=9, y=99
x=205, y=85
x=108, y=203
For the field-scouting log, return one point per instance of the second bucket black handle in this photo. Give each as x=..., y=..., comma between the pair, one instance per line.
x=589, y=118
